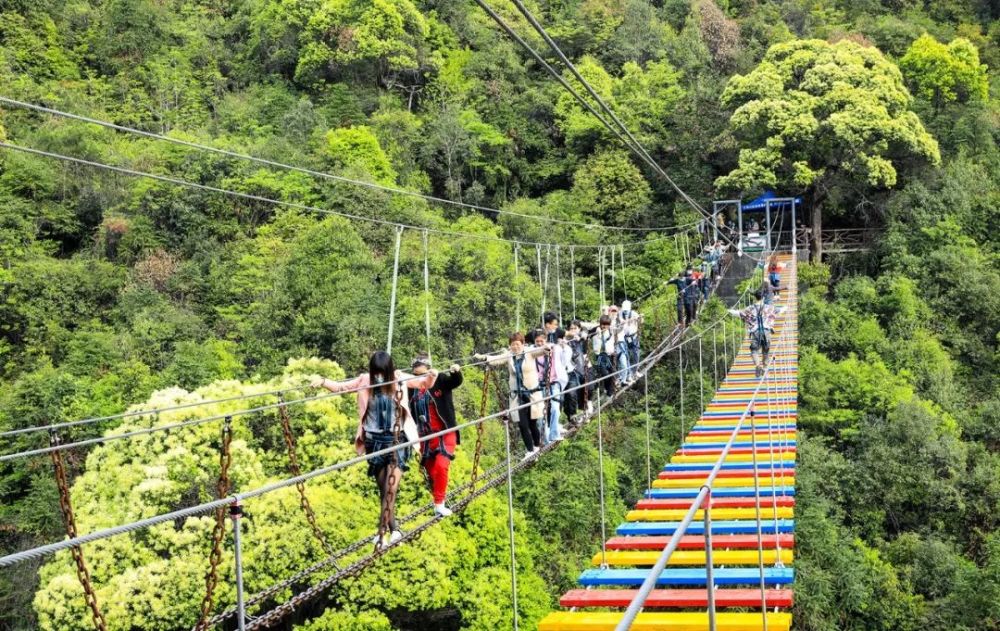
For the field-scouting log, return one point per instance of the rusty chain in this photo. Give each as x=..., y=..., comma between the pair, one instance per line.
x=66, y=506
x=480, y=429
x=293, y=467
x=215, y=557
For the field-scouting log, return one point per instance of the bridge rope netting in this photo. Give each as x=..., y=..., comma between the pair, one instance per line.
x=717, y=525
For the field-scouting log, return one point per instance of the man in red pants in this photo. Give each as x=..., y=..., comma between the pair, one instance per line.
x=434, y=410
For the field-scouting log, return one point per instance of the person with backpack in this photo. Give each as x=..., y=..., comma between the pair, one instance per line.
x=524, y=387
x=384, y=421
x=603, y=345
x=434, y=411
x=680, y=282
x=692, y=294
x=552, y=367
x=759, y=319
x=774, y=274
x=628, y=340
x=577, y=340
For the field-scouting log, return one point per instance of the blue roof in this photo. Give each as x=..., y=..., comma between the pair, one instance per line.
x=760, y=203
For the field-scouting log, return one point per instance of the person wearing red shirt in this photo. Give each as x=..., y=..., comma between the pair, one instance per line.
x=434, y=410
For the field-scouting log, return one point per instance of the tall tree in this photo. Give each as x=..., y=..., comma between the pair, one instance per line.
x=824, y=118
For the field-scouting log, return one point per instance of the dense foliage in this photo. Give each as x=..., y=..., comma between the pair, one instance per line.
x=118, y=291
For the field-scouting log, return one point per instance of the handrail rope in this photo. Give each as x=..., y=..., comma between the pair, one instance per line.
x=331, y=560
x=320, y=174
x=664, y=347
x=268, y=200
x=456, y=507
x=268, y=488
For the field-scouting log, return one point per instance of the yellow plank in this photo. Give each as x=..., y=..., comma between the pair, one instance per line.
x=689, y=483
x=639, y=558
x=663, y=621
x=671, y=514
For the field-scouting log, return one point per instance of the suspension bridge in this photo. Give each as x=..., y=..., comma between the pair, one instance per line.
x=717, y=524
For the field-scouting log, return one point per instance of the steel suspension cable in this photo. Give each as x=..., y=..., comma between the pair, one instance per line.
x=267, y=200
x=559, y=287
x=311, y=172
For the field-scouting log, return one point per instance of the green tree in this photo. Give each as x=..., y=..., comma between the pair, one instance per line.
x=944, y=74
x=823, y=118
x=611, y=188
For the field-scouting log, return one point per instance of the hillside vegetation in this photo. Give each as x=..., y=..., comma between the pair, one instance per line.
x=119, y=290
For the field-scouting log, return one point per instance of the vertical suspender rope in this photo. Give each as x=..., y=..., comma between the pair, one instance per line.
x=427, y=295
x=572, y=277
x=680, y=377
x=395, y=284
x=701, y=378
x=621, y=262
x=600, y=477
x=559, y=287
x=510, y=523
x=541, y=282
x=725, y=347
x=715, y=359
x=600, y=272
x=611, y=298
x=517, y=291
x=645, y=390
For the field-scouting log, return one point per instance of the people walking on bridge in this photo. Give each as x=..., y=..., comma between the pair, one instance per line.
x=628, y=340
x=759, y=320
x=550, y=322
x=577, y=399
x=552, y=370
x=434, y=410
x=384, y=422
x=525, y=399
x=692, y=294
x=681, y=283
x=603, y=345
x=774, y=273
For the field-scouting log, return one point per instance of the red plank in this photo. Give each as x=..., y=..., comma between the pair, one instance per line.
x=663, y=598
x=722, y=502
x=697, y=542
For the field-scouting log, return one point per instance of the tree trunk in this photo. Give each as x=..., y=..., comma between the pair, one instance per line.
x=817, y=231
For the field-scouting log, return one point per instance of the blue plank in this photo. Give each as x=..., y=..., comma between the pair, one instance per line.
x=724, y=491
x=761, y=414
x=729, y=527
x=689, y=576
